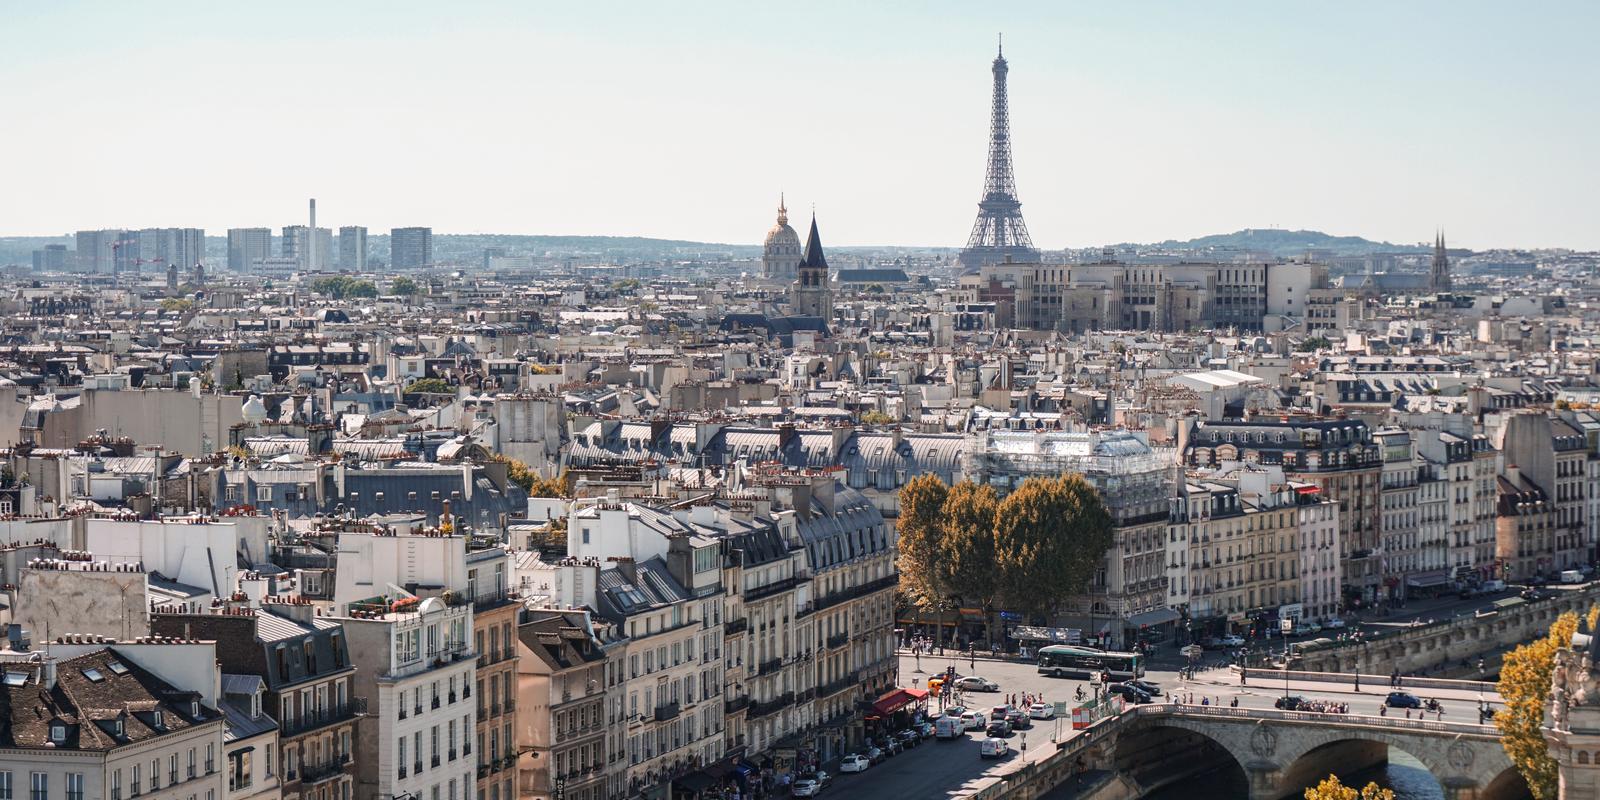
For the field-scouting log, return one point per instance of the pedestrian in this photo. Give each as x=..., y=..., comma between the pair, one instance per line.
x=1408, y=713
x=1358, y=681
x=1241, y=676
x=1383, y=710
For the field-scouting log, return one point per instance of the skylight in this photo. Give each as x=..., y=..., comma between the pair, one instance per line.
x=94, y=675
x=117, y=667
x=16, y=678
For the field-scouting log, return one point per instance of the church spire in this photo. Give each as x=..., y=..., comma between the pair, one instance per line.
x=783, y=211
x=814, y=257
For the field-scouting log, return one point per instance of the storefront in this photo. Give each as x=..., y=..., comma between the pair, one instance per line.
x=894, y=711
x=1151, y=627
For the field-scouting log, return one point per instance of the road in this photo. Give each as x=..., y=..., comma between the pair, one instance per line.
x=953, y=768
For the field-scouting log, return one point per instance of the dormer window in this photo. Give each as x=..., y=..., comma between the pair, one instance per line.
x=194, y=709
x=158, y=720
x=58, y=733
x=116, y=726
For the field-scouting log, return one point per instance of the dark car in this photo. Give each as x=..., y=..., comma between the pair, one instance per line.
x=1402, y=700
x=1290, y=702
x=1532, y=594
x=891, y=746
x=1145, y=686
x=1132, y=694
x=1019, y=719
x=999, y=728
x=908, y=738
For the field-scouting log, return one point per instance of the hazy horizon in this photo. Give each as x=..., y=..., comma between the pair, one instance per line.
x=1130, y=124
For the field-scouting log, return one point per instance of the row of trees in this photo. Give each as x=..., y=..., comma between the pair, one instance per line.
x=339, y=287
x=964, y=546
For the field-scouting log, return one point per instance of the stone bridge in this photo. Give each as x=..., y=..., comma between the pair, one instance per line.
x=1280, y=752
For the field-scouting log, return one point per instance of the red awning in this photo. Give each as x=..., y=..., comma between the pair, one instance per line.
x=896, y=700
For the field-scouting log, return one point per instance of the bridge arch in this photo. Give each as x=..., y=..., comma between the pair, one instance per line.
x=1160, y=751
x=1353, y=753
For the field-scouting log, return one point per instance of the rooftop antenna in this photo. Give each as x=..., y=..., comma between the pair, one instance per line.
x=1001, y=50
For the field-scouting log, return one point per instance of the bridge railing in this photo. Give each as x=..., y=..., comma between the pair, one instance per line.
x=1371, y=681
x=1353, y=720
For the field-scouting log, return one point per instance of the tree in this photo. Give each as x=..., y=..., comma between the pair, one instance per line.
x=1332, y=789
x=920, y=529
x=532, y=482
x=429, y=386
x=1525, y=686
x=177, y=304
x=876, y=418
x=1313, y=344
x=403, y=286
x=1050, y=536
x=339, y=287
x=967, y=550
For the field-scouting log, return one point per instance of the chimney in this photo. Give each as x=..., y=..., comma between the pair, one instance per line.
x=48, y=677
x=1514, y=476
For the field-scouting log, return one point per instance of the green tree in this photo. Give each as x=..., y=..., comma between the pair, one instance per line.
x=967, y=550
x=429, y=386
x=1525, y=686
x=178, y=304
x=1050, y=536
x=876, y=418
x=1332, y=789
x=339, y=287
x=403, y=286
x=532, y=482
x=1313, y=344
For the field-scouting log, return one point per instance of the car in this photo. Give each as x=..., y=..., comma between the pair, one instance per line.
x=973, y=683
x=908, y=738
x=974, y=720
x=1019, y=719
x=1310, y=627
x=1335, y=623
x=1232, y=641
x=822, y=778
x=1532, y=594
x=1001, y=711
x=994, y=748
x=955, y=711
x=1145, y=686
x=1042, y=711
x=1402, y=700
x=923, y=728
x=1131, y=694
x=855, y=763
x=874, y=754
x=998, y=728
x=1289, y=702
x=805, y=787
x=1211, y=643
x=891, y=746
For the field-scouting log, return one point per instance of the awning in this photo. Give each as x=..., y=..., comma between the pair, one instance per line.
x=697, y=781
x=1034, y=633
x=744, y=768
x=896, y=700
x=1159, y=616
x=917, y=694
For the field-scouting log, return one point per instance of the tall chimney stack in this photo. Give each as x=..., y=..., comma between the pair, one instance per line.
x=311, y=239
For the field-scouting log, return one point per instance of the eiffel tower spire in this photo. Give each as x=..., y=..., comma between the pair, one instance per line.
x=999, y=232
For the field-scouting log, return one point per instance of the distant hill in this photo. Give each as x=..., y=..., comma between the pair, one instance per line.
x=1288, y=243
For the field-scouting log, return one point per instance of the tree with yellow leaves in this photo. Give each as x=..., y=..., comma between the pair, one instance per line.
x=1332, y=789
x=1525, y=686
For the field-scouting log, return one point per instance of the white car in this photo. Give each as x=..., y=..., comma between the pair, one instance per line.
x=993, y=747
x=973, y=683
x=974, y=721
x=856, y=763
x=1232, y=641
x=1042, y=711
x=805, y=787
x=1336, y=623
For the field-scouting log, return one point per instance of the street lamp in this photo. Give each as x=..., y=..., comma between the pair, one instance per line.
x=1285, y=625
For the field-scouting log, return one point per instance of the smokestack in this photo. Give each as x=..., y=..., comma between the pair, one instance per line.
x=311, y=239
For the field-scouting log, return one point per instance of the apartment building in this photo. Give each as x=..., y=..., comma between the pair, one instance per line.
x=1546, y=453
x=415, y=671
x=304, y=663
x=1338, y=456
x=1127, y=597
x=561, y=747
x=494, y=636
x=92, y=720
x=1468, y=464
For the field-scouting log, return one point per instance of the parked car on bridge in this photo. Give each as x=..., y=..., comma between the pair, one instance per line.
x=1289, y=702
x=1132, y=694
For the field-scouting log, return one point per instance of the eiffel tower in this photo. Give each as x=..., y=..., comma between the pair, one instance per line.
x=999, y=234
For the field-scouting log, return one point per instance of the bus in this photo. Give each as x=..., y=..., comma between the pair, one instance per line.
x=1062, y=660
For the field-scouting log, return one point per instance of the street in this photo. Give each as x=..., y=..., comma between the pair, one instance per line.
x=952, y=768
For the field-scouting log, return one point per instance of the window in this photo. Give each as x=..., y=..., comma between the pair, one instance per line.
x=134, y=788
x=5, y=785
x=41, y=786
x=74, y=786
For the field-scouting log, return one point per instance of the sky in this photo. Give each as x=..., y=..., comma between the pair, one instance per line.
x=1131, y=122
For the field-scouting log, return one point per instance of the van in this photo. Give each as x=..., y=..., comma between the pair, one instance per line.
x=1571, y=576
x=948, y=728
x=993, y=748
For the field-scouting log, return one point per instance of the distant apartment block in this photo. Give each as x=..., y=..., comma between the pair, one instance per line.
x=410, y=247
x=353, y=247
x=246, y=246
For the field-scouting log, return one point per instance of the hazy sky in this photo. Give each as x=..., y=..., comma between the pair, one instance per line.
x=1130, y=121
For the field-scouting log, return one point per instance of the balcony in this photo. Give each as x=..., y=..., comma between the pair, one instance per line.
x=834, y=687
x=768, y=590
x=666, y=711
x=330, y=716
x=772, y=706
x=770, y=666
x=886, y=582
x=838, y=640
x=736, y=704
x=317, y=773
x=492, y=599
x=734, y=626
